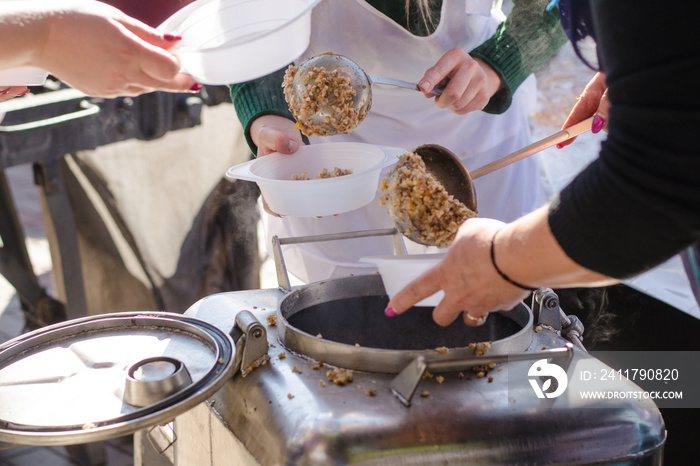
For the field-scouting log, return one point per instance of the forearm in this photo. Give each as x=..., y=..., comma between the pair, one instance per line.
x=527, y=252
x=24, y=29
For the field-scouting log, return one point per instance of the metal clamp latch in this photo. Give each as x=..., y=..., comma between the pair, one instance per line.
x=405, y=383
x=162, y=438
x=545, y=308
x=250, y=337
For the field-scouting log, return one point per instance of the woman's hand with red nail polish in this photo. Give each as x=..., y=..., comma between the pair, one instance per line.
x=91, y=46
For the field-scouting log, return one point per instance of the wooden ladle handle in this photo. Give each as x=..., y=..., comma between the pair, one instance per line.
x=535, y=147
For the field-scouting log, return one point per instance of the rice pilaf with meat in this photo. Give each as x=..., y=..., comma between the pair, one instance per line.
x=410, y=191
x=322, y=88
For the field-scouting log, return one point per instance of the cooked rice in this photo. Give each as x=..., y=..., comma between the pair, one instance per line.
x=414, y=194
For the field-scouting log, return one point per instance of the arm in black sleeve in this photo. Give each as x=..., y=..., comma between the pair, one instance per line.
x=638, y=204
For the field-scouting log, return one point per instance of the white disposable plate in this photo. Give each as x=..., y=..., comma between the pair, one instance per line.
x=232, y=41
x=23, y=76
x=318, y=197
x=399, y=271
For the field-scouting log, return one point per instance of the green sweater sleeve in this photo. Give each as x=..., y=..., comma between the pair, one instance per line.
x=528, y=37
x=262, y=96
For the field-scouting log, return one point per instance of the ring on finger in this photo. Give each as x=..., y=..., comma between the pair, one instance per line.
x=477, y=320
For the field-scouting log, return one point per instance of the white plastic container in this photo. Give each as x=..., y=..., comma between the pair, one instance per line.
x=318, y=197
x=23, y=76
x=232, y=41
x=399, y=271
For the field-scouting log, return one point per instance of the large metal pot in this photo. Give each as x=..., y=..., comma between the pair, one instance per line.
x=289, y=412
x=342, y=322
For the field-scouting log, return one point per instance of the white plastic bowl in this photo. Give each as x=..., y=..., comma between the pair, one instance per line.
x=399, y=271
x=232, y=41
x=315, y=198
x=23, y=76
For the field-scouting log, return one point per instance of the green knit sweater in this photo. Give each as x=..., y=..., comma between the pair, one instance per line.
x=524, y=41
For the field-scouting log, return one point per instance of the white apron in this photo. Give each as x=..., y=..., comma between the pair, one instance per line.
x=404, y=118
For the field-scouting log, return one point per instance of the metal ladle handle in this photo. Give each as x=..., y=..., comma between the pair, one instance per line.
x=542, y=144
x=437, y=90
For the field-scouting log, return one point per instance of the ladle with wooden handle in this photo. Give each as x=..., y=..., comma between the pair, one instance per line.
x=449, y=170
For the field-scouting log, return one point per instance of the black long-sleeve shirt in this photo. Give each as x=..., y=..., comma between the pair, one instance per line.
x=638, y=204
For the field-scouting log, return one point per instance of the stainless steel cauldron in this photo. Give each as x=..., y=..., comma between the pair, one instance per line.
x=418, y=394
x=288, y=412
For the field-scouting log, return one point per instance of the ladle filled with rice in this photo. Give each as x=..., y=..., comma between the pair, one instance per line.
x=420, y=204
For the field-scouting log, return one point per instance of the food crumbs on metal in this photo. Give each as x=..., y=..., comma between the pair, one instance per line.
x=322, y=383
x=282, y=355
x=460, y=375
x=371, y=393
x=490, y=379
x=427, y=375
x=290, y=396
x=442, y=350
x=439, y=379
x=272, y=320
x=220, y=360
x=317, y=365
x=425, y=394
x=319, y=336
x=257, y=364
x=296, y=369
x=538, y=329
x=480, y=375
x=89, y=425
x=340, y=376
x=480, y=348
x=544, y=347
x=499, y=368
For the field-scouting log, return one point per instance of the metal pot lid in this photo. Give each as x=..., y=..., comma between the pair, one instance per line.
x=105, y=376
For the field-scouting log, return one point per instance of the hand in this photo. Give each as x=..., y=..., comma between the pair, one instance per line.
x=102, y=52
x=470, y=82
x=593, y=101
x=273, y=133
x=466, y=275
x=7, y=93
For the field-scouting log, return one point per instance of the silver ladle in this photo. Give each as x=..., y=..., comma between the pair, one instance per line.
x=449, y=170
x=360, y=82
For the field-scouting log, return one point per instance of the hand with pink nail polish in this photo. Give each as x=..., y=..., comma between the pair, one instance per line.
x=593, y=101
x=91, y=46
